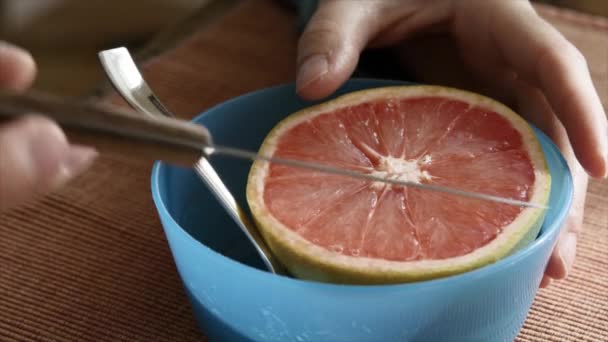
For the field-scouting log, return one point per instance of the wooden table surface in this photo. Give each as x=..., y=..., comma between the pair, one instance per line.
x=91, y=262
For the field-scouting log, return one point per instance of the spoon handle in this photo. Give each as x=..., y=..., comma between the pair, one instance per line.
x=130, y=83
x=106, y=127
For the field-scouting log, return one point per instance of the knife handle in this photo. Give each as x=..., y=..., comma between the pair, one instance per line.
x=114, y=130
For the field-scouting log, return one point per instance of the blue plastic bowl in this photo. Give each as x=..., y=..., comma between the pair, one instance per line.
x=234, y=299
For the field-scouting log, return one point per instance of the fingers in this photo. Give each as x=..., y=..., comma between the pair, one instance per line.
x=329, y=48
x=538, y=52
x=533, y=105
x=567, y=84
x=562, y=258
x=35, y=158
x=536, y=108
x=17, y=68
x=545, y=282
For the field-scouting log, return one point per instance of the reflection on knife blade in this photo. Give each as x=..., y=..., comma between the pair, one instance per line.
x=243, y=154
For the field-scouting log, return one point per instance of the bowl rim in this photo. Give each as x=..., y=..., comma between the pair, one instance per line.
x=548, y=233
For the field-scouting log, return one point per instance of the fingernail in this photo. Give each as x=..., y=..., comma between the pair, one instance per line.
x=567, y=251
x=76, y=160
x=311, y=70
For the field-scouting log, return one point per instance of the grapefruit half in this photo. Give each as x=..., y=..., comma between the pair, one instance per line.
x=339, y=229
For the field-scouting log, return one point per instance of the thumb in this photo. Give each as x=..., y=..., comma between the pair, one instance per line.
x=36, y=158
x=17, y=68
x=329, y=48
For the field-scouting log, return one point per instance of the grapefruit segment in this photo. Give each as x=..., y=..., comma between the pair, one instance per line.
x=428, y=121
x=399, y=239
x=447, y=227
x=323, y=140
x=475, y=132
x=297, y=199
x=340, y=229
x=506, y=173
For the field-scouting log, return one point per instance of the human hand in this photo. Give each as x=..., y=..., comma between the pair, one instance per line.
x=502, y=48
x=35, y=156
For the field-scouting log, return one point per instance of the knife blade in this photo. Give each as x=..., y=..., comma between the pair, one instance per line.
x=253, y=156
x=185, y=137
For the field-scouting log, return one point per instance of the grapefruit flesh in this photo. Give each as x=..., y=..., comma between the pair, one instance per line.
x=340, y=229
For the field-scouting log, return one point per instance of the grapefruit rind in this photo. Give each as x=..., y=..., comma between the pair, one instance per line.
x=306, y=260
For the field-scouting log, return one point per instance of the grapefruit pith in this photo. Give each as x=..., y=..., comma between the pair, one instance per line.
x=339, y=229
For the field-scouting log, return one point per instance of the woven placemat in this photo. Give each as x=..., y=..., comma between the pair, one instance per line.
x=91, y=263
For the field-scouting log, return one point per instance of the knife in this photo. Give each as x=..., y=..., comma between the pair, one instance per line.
x=175, y=140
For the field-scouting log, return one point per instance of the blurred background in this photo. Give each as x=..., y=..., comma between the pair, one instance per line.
x=65, y=35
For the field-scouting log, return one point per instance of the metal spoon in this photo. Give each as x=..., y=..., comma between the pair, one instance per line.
x=129, y=82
